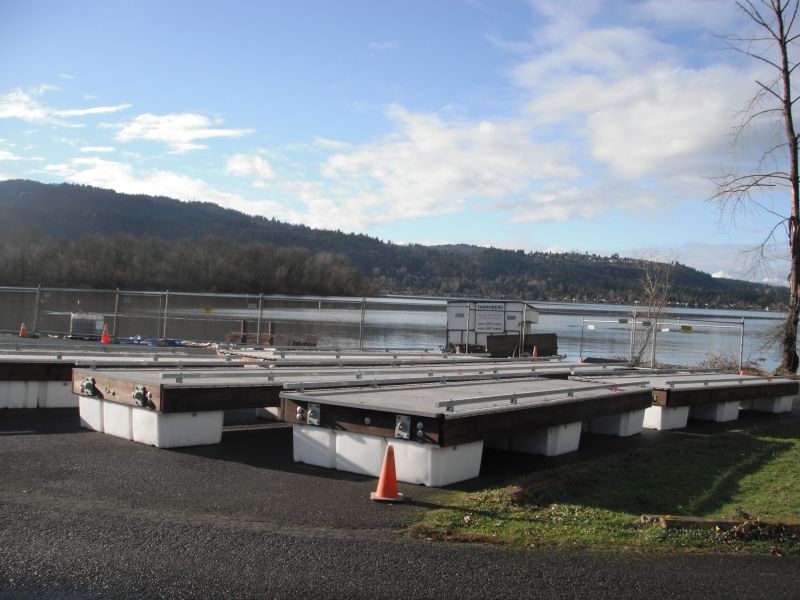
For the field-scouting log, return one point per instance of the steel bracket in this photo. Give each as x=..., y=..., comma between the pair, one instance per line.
x=402, y=427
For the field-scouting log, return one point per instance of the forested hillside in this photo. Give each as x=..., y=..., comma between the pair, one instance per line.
x=84, y=236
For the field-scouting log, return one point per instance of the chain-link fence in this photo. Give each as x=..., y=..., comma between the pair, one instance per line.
x=241, y=318
x=641, y=339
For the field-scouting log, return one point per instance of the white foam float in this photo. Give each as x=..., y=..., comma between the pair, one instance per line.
x=91, y=413
x=314, y=446
x=664, y=417
x=549, y=441
x=363, y=454
x=720, y=412
x=622, y=424
x=176, y=430
x=781, y=404
x=118, y=420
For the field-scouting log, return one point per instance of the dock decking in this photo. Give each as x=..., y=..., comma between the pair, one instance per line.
x=437, y=411
x=678, y=397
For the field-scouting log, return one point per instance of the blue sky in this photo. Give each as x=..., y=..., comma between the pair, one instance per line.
x=544, y=125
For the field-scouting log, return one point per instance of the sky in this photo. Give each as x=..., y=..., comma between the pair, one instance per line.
x=555, y=125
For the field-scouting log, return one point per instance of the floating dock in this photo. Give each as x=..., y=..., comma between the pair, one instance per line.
x=678, y=397
x=132, y=403
x=38, y=376
x=437, y=411
x=31, y=379
x=313, y=358
x=438, y=431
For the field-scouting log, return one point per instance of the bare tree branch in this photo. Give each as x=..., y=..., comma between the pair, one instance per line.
x=771, y=45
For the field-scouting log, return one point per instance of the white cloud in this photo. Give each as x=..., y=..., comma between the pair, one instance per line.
x=22, y=105
x=509, y=45
x=123, y=178
x=98, y=149
x=729, y=261
x=711, y=15
x=25, y=105
x=179, y=131
x=562, y=202
x=667, y=120
x=249, y=165
x=66, y=76
x=6, y=155
x=383, y=46
x=614, y=118
x=330, y=144
x=648, y=125
x=430, y=167
x=94, y=110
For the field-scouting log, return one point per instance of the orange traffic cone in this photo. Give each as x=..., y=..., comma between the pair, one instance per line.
x=535, y=353
x=105, y=338
x=741, y=372
x=387, y=483
x=22, y=331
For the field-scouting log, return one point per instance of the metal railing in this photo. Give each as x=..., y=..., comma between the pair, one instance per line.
x=277, y=320
x=514, y=397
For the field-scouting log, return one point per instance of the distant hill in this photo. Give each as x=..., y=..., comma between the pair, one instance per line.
x=68, y=212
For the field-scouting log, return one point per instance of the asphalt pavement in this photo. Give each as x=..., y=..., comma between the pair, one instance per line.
x=85, y=515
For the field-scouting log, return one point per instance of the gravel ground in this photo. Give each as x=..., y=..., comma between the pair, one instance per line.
x=85, y=515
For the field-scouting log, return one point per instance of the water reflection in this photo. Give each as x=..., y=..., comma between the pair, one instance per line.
x=388, y=322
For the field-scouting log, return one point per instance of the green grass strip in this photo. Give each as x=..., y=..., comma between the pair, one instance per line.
x=597, y=505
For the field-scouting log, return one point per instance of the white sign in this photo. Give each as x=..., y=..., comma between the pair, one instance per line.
x=490, y=317
x=490, y=306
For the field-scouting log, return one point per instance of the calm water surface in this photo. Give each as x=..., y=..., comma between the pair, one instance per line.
x=690, y=336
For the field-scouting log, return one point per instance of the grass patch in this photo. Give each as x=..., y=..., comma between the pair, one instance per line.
x=597, y=505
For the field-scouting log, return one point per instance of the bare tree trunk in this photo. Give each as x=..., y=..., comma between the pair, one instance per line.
x=777, y=22
x=656, y=287
x=790, y=360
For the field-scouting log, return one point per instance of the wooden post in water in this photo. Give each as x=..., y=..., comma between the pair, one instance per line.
x=741, y=349
x=469, y=317
x=158, y=314
x=580, y=345
x=116, y=313
x=633, y=335
x=166, y=306
x=361, y=325
x=36, y=309
x=258, y=321
x=653, y=353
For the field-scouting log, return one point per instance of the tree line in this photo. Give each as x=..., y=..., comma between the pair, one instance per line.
x=199, y=246
x=217, y=264
x=205, y=264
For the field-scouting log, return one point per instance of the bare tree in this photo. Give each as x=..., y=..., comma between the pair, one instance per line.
x=772, y=44
x=656, y=287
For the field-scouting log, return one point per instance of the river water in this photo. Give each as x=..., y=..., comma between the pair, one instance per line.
x=686, y=336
